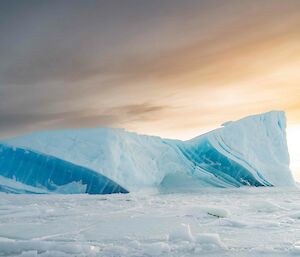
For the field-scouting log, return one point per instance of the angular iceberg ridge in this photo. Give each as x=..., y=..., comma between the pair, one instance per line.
x=251, y=151
x=259, y=144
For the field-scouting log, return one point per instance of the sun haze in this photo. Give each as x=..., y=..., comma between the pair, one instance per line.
x=170, y=68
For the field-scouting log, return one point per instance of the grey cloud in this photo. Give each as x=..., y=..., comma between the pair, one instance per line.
x=56, y=40
x=141, y=112
x=59, y=41
x=61, y=60
x=111, y=117
x=13, y=124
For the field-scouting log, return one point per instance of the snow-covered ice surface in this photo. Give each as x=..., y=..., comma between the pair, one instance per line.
x=212, y=222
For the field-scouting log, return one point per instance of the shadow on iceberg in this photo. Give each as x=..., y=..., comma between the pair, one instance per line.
x=26, y=171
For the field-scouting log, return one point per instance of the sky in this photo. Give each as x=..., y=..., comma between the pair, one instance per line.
x=171, y=68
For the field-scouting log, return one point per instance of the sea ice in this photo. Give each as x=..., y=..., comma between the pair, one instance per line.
x=131, y=225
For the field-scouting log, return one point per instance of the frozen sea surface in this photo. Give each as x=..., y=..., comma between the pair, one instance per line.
x=215, y=222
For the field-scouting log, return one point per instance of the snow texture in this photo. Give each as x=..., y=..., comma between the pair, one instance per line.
x=248, y=152
x=152, y=225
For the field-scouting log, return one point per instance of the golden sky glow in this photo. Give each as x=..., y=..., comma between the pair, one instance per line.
x=169, y=68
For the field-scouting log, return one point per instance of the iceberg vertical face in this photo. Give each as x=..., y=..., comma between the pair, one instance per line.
x=134, y=161
x=207, y=159
x=50, y=174
x=251, y=151
x=259, y=144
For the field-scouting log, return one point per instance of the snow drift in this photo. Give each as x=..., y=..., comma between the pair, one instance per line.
x=251, y=151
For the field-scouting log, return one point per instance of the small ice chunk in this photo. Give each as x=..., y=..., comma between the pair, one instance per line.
x=218, y=212
x=181, y=233
x=296, y=247
x=93, y=249
x=210, y=241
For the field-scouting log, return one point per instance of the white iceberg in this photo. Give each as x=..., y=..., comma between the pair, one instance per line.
x=251, y=151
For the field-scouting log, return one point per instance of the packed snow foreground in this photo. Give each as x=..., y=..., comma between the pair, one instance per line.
x=213, y=222
x=248, y=152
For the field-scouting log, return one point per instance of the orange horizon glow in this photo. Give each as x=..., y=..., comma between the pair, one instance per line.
x=175, y=69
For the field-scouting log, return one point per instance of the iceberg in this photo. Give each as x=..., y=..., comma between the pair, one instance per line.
x=49, y=174
x=248, y=152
